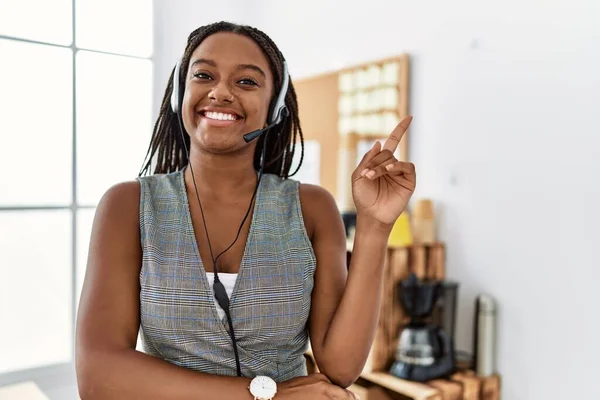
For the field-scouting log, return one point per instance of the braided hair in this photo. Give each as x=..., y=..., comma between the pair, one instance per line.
x=167, y=142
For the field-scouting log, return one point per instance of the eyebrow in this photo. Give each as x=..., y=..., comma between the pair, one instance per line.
x=239, y=67
x=252, y=67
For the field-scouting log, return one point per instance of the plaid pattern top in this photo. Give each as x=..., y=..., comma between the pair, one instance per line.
x=271, y=299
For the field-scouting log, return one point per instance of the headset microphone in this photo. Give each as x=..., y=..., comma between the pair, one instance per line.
x=248, y=137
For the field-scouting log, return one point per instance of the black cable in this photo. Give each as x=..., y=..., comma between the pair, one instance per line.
x=218, y=288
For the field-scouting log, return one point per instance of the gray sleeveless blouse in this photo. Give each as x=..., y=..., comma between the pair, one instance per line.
x=271, y=299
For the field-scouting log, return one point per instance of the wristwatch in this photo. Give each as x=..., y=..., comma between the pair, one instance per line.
x=263, y=388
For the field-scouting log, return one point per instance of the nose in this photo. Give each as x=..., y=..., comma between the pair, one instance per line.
x=221, y=93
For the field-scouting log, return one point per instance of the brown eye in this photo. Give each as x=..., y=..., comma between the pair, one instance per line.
x=248, y=81
x=202, y=75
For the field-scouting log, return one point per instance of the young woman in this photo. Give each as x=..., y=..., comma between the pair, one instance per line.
x=224, y=265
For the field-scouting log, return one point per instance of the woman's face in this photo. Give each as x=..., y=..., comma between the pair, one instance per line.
x=228, y=90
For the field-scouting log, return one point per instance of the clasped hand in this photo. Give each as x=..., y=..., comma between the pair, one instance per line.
x=314, y=387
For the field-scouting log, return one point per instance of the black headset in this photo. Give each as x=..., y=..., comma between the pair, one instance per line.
x=278, y=112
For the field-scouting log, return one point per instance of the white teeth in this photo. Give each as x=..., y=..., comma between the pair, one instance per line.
x=220, y=116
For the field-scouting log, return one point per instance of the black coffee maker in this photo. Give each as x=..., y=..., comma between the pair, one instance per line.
x=426, y=345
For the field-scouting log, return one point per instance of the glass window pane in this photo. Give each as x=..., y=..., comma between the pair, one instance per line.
x=114, y=112
x=85, y=219
x=47, y=21
x=36, y=128
x=35, y=289
x=130, y=25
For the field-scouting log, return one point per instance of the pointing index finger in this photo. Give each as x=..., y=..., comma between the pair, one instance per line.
x=392, y=141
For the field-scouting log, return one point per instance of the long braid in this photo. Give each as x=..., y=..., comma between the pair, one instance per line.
x=168, y=146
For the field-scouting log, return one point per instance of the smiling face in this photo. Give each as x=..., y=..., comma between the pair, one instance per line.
x=228, y=90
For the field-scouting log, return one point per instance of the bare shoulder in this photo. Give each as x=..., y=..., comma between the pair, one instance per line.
x=318, y=206
x=121, y=199
x=115, y=232
x=310, y=192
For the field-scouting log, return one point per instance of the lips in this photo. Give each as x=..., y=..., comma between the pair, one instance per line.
x=220, y=114
x=217, y=117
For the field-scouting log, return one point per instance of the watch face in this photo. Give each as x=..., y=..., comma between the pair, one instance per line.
x=263, y=387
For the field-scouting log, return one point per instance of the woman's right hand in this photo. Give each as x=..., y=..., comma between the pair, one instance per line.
x=316, y=386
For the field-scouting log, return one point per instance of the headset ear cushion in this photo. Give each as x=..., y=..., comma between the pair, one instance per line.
x=277, y=109
x=176, y=88
x=173, y=102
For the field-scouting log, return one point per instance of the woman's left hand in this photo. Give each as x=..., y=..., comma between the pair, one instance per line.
x=381, y=185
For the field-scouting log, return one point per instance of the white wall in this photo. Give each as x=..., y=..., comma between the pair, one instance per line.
x=504, y=141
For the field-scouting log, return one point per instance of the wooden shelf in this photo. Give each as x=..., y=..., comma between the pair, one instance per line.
x=462, y=385
x=414, y=390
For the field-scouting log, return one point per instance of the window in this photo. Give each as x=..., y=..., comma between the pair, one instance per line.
x=48, y=21
x=37, y=134
x=85, y=218
x=130, y=26
x=114, y=105
x=35, y=288
x=79, y=100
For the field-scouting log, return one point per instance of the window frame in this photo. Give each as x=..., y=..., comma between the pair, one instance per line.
x=56, y=373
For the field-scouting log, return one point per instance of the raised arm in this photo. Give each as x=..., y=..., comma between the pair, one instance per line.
x=108, y=366
x=346, y=305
